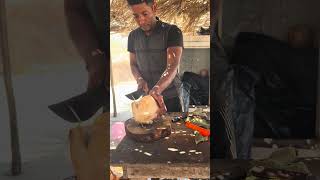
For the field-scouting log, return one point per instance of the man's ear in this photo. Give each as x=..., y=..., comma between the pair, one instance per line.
x=154, y=7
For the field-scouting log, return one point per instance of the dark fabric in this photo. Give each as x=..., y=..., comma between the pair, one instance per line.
x=151, y=56
x=175, y=38
x=296, y=68
x=96, y=12
x=220, y=146
x=233, y=107
x=244, y=107
x=286, y=93
x=173, y=104
x=199, y=88
x=184, y=94
x=234, y=115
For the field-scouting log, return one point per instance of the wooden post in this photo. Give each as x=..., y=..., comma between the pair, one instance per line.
x=113, y=91
x=220, y=11
x=15, y=149
x=318, y=100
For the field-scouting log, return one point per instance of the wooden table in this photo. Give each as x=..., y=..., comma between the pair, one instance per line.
x=145, y=160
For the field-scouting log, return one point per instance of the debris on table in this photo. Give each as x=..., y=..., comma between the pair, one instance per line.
x=281, y=164
x=274, y=146
x=172, y=149
x=267, y=140
x=199, y=112
x=202, y=131
x=182, y=152
x=220, y=177
x=199, y=138
x=308, y=141
x=198, y=120
x=148, y=154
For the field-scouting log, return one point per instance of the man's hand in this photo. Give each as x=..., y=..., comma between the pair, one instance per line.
x=142, y=84
x=154, y=92
x=96, y=72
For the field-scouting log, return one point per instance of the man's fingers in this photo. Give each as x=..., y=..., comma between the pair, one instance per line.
x=146, y=89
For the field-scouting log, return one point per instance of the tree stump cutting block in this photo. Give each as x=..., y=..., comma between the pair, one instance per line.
x=149, y=132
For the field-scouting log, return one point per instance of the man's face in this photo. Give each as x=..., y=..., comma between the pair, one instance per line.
x=144, y=15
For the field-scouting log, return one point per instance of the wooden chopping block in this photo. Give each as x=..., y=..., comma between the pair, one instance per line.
x=148, y=133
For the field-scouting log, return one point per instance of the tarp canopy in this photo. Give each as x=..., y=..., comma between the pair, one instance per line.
x=188, y=15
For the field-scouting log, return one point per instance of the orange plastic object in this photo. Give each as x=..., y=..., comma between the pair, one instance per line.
x=202, y=131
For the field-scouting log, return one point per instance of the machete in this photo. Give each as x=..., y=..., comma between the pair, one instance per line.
x=82, y=107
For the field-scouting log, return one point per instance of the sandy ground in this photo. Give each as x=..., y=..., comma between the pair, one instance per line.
x=43, y=135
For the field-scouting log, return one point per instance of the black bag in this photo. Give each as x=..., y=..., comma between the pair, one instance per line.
x=286, y=93
x=198, y=88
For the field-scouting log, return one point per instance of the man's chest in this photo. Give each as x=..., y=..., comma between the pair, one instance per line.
x=154, y=42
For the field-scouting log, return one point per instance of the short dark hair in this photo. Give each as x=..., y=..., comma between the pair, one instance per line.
x=133, y=2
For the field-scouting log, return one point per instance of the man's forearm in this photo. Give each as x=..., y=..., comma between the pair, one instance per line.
x=134, y=67
x=167, y=77
x=173, y=61
x=81, y=29
x=135, y=72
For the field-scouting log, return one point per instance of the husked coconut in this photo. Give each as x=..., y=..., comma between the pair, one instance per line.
x=145, y=110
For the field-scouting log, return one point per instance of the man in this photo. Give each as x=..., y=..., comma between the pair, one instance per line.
x=155, y=52
x=86, y=27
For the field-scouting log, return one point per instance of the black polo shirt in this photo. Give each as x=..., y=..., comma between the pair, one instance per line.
x=175, y=37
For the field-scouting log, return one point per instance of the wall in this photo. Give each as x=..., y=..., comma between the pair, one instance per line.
x=195, y=59
x=272, y=17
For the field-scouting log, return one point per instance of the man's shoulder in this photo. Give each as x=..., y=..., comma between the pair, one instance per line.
x=135, y=31
x=168, y=25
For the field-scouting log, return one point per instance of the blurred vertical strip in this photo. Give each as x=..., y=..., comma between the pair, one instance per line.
x=15, y=148
x=223, y=133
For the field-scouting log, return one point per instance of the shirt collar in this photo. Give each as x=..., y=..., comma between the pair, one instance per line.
x=157, y=26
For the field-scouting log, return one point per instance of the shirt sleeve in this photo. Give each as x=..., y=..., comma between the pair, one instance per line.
x=130, y=43
x=175, y=37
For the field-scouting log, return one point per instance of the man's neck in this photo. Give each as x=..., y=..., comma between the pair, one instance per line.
x=154, y=23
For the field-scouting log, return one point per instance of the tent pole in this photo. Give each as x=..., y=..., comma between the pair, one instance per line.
x=15, y=148
x=113, y=91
